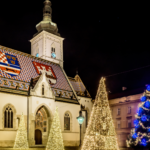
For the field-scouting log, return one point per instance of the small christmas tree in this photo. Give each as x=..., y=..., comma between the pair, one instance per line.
x=140, y=135
x=100, y=133
x=21, y=137
x=55, y=140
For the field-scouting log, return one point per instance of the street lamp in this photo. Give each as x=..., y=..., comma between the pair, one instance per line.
x=80, y=121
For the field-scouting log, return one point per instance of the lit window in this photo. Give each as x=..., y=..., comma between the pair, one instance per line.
x=129, y=124
x=129, y=110
x=118, y=124
x=67, y=121
x=118, y=111
x=53, y=52
x=8, y=115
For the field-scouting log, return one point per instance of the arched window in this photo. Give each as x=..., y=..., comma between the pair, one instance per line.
x=53, y=52
x=8, y=117
x=37, y=51
x=67, y=121
x=42, y=89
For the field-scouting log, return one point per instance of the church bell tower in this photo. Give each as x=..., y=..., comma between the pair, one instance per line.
x=47, y=42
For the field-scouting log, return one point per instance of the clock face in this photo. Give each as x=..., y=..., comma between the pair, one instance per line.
x=53, y=55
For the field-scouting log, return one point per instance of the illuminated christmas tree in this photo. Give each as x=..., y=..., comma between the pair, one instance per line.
x=55, y=140
x=21, y=141
x=100, y=133
x=140, y=135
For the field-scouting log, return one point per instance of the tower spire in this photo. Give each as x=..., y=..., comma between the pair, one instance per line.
x=47, y=11
x=46, y=24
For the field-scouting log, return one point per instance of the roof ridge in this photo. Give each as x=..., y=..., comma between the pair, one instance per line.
x=25, y=54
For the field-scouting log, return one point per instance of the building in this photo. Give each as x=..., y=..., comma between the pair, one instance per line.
x=35, y=84
x=124, y=106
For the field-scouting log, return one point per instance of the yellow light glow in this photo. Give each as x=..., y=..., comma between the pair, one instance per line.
x=100, y=133
x=21, y=137
x=55, y=140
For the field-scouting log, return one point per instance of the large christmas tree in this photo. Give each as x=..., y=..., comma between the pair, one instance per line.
x=55, y=140
x=140, y=135
x=100, y=133
x=21, y=137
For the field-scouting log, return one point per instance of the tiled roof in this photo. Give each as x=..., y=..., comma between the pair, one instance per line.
x=78, y=86
x=28, y=70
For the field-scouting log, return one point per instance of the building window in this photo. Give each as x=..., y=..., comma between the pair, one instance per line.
x=129, y=110
x=53, y=51
x=118, y=124
x=118, y=111
x=8, y=118
x=129, y=124
x=37, y=51
x=42, y=89
x=67, y=121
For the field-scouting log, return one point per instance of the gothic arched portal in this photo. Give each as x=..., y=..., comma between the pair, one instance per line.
x=41, y=125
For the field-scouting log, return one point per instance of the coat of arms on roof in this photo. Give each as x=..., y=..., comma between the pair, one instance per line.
x=47, y=69
x=9, y=64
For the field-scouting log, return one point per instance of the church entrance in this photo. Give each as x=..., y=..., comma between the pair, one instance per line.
x=41, y=126
x=38, y=137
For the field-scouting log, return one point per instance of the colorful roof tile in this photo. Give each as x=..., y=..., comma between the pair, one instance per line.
x=79, y=87
x=28, y=70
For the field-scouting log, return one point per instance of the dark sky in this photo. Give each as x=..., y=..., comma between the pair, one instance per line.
x=101, y=38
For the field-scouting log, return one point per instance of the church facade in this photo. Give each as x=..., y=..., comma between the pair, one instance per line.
x=36, y=84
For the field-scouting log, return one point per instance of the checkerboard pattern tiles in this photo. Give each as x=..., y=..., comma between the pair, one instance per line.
x=76, y=86
x=28, y=71
x=3, y=58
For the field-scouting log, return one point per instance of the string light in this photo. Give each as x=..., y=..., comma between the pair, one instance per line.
x=55, y=140
x=21, y=137
x=100, y=133
x=140, y=136
x=143, y=98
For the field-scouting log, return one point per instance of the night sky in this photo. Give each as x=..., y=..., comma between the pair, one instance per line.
x=101, y=38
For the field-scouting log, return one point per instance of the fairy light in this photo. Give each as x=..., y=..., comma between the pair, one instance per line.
x=140, y=136
x=100, y=133
x=21, y=137
x=55, y=140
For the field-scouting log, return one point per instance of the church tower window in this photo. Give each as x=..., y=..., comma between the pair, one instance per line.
x=37, y=51
x=53, y=52
x=8, y=118
x=67, y=121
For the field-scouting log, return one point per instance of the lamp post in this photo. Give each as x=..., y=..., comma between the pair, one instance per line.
x=80, y=121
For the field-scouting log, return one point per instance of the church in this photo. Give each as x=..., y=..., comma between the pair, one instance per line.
x=35, y=84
